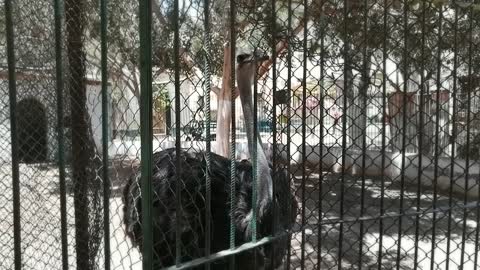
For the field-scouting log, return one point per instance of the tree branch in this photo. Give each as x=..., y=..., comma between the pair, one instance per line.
x=158, y=13
x=216, y=90
x=281, y=46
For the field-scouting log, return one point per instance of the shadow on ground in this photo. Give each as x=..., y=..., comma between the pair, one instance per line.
x=356, y=242
x=332, y=232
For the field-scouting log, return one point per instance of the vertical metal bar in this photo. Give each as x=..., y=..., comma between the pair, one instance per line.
x=254, y=163
x=344, y=130
x=146, y=130
x=470, y=53
x=469, y=125
x=420, y=136
x=255, y=170
x=477, y=230
x=304, y=130
x=321, y=124
x=454, y=137
x=178, y=165
x=233, y=134
x=437, y=131
x=364, y=132
x=12, y=85
x=106, y=180
x=207, y=89
x=60, y=131
x=384, y=127
x=404, y=130
x=289, y=103
x=274, y=121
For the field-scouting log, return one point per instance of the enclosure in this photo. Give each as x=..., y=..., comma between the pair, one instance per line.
x=372, y=107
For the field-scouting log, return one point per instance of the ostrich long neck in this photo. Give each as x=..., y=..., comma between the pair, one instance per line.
x=264, y=178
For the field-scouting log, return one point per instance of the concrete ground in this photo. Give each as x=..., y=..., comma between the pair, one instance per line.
x=443, y=238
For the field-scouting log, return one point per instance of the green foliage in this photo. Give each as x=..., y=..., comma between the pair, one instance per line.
x=161, y=99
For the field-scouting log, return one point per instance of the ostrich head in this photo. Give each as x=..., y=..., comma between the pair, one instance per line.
x=247, y=67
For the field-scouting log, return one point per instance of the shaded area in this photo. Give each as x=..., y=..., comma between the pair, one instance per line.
x=32, y=131
x=360, y=239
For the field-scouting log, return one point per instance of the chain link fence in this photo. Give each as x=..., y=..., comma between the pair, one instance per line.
x=373, y=107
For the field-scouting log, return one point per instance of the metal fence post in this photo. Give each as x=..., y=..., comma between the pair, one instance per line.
x=12, y=84
x=106, y=182
x=60, y=129
x=146, y=129
x=232, y=132
x=178, y=165
x=207, y=90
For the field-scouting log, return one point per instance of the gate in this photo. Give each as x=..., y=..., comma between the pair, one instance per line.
x=128, y=141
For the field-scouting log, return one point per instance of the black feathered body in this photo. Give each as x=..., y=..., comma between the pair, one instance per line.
x=191, y=221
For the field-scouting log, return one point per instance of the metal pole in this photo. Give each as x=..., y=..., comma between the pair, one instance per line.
x=60, y=131
x=233, y=134
x=146, y=129
x=178, y=165
x=13, y=132
x=106, y=181
x=207, y=90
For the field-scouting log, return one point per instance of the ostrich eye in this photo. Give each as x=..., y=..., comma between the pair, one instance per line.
x=242, y=57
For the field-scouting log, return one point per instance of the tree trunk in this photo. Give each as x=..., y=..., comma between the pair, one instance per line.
x=357, y=105
x=79, y=125
x=402, y=105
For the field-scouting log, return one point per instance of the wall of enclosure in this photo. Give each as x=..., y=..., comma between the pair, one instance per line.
x=371, y=106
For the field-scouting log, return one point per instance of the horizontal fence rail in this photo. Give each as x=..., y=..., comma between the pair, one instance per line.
x=336, y=134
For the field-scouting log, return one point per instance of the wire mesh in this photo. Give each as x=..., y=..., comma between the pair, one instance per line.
x=371, y=106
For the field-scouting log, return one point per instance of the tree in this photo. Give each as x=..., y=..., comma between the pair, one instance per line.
x=85, y=160
x=124, y=44
x=353, y=36
x=415, y=39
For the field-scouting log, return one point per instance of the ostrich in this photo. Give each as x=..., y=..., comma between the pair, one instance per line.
x=192, y=220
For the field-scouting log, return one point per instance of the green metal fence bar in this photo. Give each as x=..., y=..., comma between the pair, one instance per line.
x=404, y=132
x=12, y=84
x=105, y=99
x=395, y=215
x=321, y=141
x=437, y=151
x=60, y=130
x=207, y=90
x=363, y=97
x=288, y=110
x=346, y=80
x=384, y=127
x=146, y=129
x=477, y=231
x=178, y=166
x=274, y=120
x=255, y=167
x=469, y=129
x=421, y=134
x=233, y=134
x=304, y=131
x=226, y=253
x=254, y=157
x=454, y=135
